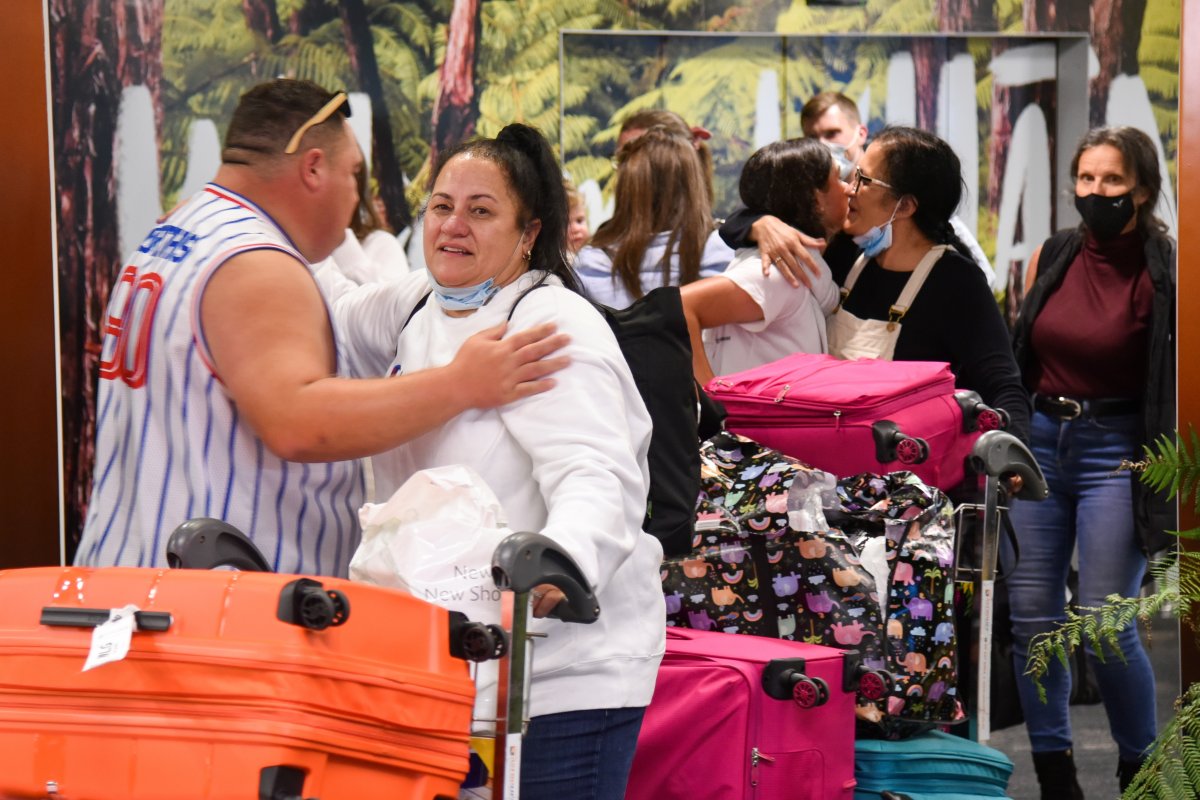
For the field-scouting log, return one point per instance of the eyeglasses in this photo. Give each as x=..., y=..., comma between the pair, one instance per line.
x=861, y=180
x=337, y=103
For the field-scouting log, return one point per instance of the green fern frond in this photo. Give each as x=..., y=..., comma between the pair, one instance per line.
x=575, y=131
x=588, y=168
x=1098, y=627
x=407, y=19
x=1172, y=466
x=1172, y=766
x=1160, y=80
x=1010, y=16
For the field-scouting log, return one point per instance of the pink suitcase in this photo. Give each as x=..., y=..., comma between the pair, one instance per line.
x=747, y=717
x=865, y=415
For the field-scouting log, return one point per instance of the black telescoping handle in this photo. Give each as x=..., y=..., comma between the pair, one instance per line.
x=207, y=543
x=999, y=453
x=525, y=560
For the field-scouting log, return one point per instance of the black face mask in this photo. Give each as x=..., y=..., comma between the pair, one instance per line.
x=1105, y=217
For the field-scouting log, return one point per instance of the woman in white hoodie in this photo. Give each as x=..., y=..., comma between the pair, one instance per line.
x=570, y=463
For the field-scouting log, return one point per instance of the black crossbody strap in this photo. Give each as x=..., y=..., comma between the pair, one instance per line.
x=420, y=304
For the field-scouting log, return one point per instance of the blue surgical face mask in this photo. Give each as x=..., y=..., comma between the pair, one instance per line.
x=463, y=298
x=844, y=164
x=878, y=238
x=467, y=298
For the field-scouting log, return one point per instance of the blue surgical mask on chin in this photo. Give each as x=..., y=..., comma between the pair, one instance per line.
x=878, y=238
x=463, y=298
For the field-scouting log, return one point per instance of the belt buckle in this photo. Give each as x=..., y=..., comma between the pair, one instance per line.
x=1075, y=406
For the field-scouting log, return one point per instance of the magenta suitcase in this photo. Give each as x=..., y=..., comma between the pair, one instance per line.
x=747, y=717
x=865, y=415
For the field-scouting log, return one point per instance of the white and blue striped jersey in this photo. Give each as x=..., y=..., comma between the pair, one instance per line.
x=170, y=444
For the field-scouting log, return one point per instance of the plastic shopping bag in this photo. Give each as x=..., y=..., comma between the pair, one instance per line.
x=434, y=538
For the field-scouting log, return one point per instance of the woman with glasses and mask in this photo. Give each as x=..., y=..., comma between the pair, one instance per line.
x=1095, y=344
x=913, y=295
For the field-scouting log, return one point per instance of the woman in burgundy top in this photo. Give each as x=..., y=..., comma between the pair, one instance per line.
x=1095, y=343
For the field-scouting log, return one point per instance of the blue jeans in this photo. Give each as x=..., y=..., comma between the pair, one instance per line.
x=584, y=755
x=1091, y=507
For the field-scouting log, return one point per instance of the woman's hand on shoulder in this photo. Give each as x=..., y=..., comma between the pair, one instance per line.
x=494, y=370
x=786, y=249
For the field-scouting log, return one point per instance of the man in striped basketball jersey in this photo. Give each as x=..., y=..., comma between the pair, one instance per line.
x=222, y=388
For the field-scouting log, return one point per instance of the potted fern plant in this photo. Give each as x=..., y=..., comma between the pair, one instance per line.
x=1172, y=767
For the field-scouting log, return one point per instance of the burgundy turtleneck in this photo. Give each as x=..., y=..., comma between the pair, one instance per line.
x=1091, y=338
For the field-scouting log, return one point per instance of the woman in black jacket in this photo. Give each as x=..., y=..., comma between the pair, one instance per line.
x=1095, y=343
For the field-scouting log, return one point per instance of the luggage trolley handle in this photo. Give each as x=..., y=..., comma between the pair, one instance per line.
x=998, y=453
x=525, y=560
x=207, y=543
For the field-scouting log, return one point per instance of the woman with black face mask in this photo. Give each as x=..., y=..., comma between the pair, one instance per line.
x=1095, y=343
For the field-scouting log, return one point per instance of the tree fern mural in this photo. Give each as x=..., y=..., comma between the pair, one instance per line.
x=1158, y=67
x=713, y=83
x=211, y=55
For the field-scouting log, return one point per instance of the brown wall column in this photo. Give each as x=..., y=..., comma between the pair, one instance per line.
x=1188, y=343
x=29, y=495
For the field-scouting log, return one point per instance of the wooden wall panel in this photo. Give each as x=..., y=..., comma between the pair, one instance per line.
x=29, y=485
x=1189, y=271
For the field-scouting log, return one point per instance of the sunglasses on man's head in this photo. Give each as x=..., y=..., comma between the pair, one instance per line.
x=338, y=103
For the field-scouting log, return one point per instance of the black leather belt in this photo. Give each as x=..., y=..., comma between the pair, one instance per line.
x=1070, y=408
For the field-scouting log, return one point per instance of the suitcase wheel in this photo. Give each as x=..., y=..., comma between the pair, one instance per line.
x=979, y=417
x=891, y=444
x=873, y=684
x=992, y=419
x=478, y=642
x=282, y=782
x=810, y=692
x=911, y=451
x=307, y=603
x=869, y=684
x=784, y=679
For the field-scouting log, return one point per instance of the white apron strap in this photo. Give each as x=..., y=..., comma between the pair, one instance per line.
x=915, y=281
x=851, y=279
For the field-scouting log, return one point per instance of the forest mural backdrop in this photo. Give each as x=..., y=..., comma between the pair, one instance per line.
x=142, y=90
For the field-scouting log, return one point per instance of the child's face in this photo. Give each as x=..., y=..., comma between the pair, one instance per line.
x=577, y=228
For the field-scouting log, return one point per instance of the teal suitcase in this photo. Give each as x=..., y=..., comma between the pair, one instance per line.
x=931, y=766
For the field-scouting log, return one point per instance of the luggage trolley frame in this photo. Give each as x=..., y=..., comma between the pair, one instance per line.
x=995, y=455
x=521, y=562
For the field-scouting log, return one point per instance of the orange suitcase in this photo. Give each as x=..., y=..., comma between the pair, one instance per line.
x=219, y=697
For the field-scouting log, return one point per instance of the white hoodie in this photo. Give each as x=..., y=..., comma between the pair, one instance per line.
x=570, y=463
